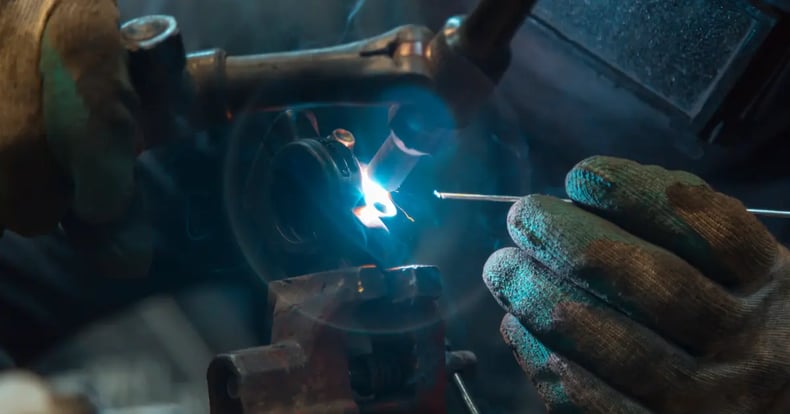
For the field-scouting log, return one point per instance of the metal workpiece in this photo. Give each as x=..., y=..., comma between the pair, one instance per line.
x=358, y=284
x=457, y=67
x=359, y=72
x=460, y=64
x=157, y=64
x=206, y=70
x=344, y=137
x=157, y=34
x=370, y=71
x=357, y=340
x=304, y=199
x=312, y=186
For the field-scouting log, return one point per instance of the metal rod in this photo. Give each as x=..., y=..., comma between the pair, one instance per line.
x=512, y=199
x=468, y=402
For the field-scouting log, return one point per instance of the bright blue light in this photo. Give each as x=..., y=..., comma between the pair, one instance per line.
x=376, y=197
x=378, y=203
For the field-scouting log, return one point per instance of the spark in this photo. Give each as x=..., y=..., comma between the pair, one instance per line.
x=402, y=210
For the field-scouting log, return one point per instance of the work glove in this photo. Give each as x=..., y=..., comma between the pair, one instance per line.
x=651, y=293
x=68, y=135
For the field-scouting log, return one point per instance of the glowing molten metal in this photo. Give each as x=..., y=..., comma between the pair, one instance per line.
x=378, y=203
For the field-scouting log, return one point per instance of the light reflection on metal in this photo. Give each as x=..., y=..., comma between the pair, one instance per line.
x=369, y=218
x=344, y=137
x=378, y=203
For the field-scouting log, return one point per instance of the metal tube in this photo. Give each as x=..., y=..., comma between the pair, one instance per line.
x=468, y=402
x=392, y=163
x=512, y=199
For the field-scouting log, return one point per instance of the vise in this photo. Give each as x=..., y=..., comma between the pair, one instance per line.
x=356, y=340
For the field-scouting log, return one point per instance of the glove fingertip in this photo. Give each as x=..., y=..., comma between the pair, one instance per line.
x=499, y=273
x=523, y=219
x=499, y=263
x=592, y=181
x=602, y=182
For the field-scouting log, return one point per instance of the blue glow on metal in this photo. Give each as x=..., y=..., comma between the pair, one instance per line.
x=377, y=199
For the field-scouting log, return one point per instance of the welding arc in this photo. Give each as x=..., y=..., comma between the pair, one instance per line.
x=512, y=199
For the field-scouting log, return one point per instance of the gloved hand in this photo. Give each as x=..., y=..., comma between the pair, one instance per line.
x=654, y=293
x=68, y=129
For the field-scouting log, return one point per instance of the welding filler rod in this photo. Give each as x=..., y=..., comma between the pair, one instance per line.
x=469, y=403
x=513, y=199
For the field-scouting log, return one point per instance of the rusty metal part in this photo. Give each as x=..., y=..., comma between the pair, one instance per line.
x=206, y=70
x=454, y=71
x=344, y=137
x=323, y=325
x=155, y=33
x=460, y=65
x=355, y=73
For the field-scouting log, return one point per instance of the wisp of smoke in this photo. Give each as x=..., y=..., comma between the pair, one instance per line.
x=352, y=14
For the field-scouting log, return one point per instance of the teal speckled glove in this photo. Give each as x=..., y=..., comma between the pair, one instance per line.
x=653, y=294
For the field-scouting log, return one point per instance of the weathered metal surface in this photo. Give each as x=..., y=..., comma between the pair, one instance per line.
x=318, y=322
